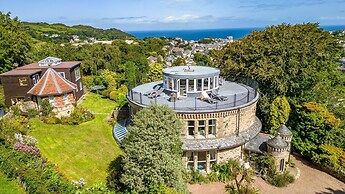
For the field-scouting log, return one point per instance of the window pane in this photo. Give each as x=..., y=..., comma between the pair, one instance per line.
x=191, y=85
x=199, y=85
x=191, y=128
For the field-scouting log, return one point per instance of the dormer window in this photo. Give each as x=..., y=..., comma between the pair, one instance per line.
x=49, y=61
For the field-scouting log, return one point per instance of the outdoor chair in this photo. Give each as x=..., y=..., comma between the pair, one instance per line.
x=205, y=97
x=157, y=93
x=155, y=89
x=216, y=96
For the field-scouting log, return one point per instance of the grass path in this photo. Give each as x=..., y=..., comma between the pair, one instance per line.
x=81, y=151
x=8, y=186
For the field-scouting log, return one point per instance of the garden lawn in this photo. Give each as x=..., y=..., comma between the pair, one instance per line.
x=8, y=186
x=81, y=151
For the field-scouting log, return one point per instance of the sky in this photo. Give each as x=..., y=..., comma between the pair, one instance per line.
x=143, y=15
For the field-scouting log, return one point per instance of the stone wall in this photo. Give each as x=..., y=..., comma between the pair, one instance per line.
x=227, y=123
x=225, y=155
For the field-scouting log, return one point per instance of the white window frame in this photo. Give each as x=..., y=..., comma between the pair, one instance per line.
x=51, y=100
x=62, y=74
x=212, y=127
x=80, y=86
x=65, y=95
x=77, y=73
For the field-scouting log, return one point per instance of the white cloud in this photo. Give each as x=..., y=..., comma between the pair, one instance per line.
x=187, y=18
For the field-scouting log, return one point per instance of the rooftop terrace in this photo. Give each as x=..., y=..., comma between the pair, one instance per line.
x=238, y=95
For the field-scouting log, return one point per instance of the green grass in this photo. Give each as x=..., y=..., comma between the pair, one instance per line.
x=8, y=186
x=81, y=151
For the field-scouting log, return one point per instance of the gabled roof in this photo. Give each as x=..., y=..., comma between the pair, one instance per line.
x=277, y=142
x=52, y=83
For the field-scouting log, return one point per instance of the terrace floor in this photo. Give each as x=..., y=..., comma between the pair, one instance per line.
x=237, y=95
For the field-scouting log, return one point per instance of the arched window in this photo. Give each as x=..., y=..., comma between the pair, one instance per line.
x=281, y=166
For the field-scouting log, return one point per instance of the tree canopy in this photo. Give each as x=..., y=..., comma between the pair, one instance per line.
x=153, y=151
x=296, y=61
x=14, y=43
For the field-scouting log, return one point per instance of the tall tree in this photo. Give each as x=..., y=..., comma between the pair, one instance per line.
x=14, y=42
x=286, y=60
x=152, y=151
x=279, y=113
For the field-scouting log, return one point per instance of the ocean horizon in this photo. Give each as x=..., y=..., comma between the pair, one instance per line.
x=236, y=33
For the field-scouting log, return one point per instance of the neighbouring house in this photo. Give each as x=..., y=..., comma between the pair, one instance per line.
x=58, y=90
x=18, y=82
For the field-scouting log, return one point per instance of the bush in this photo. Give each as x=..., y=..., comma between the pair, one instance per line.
x=51, y=120
x=32, y=112
x=46, y=108
x=16, y=110
x=78, y=116
x=281, y=180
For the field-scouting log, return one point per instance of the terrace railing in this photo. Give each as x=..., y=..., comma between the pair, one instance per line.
x=195, y=104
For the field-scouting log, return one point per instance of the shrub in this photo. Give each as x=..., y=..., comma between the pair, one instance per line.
x=51, y=120
x=281, y=180
x=16, y=110
x=46, y=108
x=32, y=112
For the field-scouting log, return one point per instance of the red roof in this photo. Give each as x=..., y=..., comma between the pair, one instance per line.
x=62, y=65
x=52, y=83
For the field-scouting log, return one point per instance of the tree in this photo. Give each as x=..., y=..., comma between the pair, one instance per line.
x=279, y=113
x=153, y=151
x=286, y=60
x=313, y=125
x=155, y=73
x=202, y=60
x=179, y=62
x=14, y=42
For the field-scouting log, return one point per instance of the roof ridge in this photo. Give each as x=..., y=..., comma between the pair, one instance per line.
x=54, y=80
x=44, y=83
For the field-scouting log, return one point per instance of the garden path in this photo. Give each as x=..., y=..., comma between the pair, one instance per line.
x=311, y=181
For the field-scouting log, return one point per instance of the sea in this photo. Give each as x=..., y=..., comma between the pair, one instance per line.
x=236, y=33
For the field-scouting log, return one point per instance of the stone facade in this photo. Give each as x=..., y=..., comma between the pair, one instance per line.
x=63, y=107
x=225, y=155
x=227, y=123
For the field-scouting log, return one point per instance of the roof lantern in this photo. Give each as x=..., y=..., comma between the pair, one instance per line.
x=52, y=61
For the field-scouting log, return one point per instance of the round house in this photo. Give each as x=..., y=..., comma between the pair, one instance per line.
x=218, y=116
x=280, y=150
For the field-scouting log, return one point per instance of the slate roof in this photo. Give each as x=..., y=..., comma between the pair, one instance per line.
x=52, y=83
x=223, y=142
x=258, y=143
x=284, y=131
x=277, y=142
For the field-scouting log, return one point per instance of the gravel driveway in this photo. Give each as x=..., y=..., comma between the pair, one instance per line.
x=310, y=181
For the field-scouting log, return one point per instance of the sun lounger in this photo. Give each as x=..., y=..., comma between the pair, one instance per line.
x=205, y=97
x=216, y=96
x=157, y=93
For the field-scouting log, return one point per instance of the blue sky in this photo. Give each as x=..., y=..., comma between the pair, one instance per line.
x=129, y=15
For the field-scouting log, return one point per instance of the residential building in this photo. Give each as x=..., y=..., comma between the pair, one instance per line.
x=18, y=82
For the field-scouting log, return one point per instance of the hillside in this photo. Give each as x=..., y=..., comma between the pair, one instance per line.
x=60, y=33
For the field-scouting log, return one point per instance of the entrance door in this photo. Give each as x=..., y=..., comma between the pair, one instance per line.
x=183, y=87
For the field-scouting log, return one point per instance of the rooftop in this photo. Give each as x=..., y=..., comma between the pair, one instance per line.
x=258, y=143
x=62, y=65
x=238, y=95
x=52, y=83
x=284, y=131
x=18, y=72
x=277, y=142
x=190, y=71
